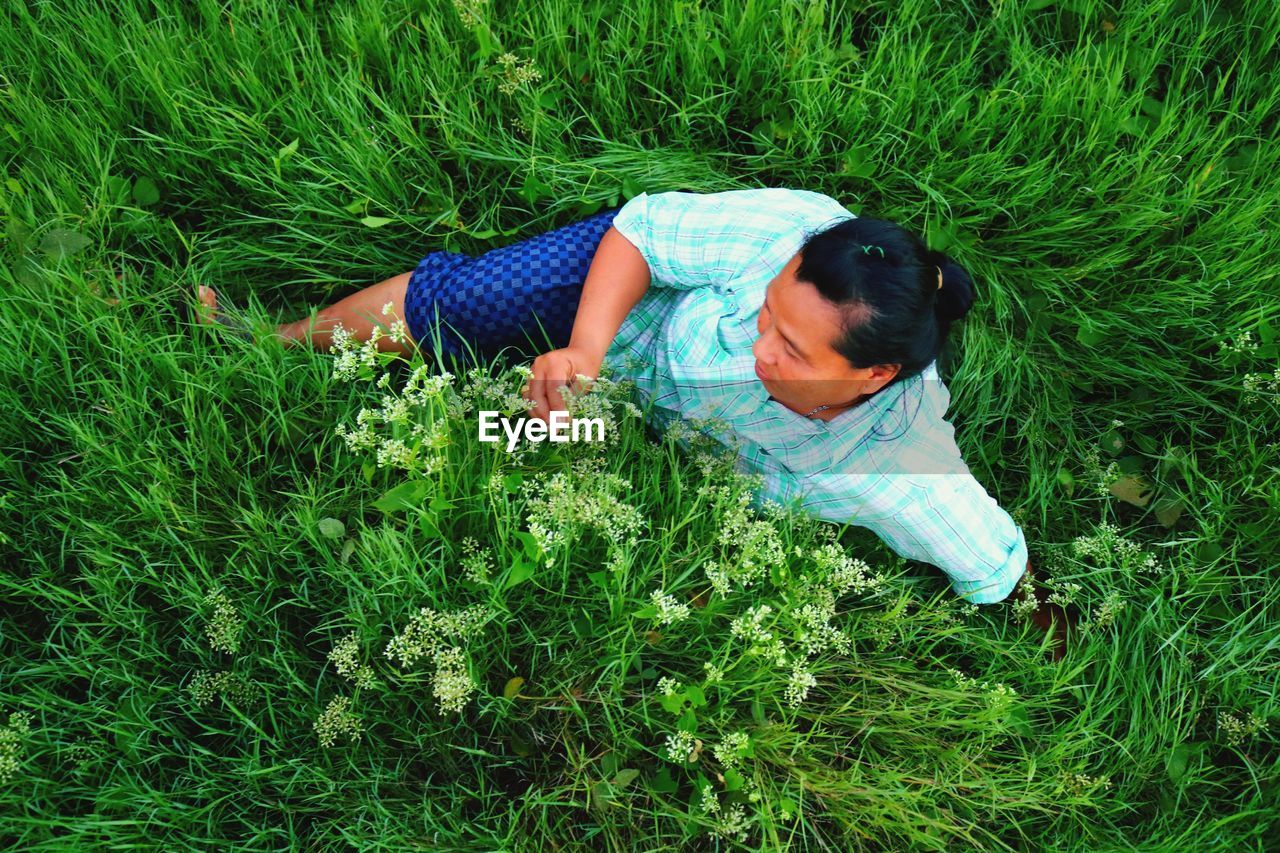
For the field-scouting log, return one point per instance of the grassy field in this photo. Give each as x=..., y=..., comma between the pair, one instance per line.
x=224, y=624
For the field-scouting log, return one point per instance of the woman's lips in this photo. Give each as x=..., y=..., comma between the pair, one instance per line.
x=760, y=372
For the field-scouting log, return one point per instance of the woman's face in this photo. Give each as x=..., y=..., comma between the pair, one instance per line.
x=794, y=357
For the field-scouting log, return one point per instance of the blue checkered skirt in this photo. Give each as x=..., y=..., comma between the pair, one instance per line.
x=514, y=302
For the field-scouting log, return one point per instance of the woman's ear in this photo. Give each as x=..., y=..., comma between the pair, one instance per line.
x=885, y=371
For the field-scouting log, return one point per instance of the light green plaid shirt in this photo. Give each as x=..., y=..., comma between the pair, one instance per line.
x=889, y=464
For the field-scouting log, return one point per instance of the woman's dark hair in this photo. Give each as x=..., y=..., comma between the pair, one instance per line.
x=894, y=312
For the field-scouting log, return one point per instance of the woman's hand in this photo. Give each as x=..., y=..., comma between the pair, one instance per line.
x=553, y=369
x=1050, y=618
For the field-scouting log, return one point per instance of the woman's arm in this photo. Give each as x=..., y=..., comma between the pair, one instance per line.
x=616, y=280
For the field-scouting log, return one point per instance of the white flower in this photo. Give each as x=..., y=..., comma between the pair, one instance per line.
x=669, y=610
x=679, y=746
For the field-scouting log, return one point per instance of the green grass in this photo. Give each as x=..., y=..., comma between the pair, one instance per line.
x=1107, y=177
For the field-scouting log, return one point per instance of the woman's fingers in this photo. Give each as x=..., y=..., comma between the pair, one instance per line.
x=543, y=389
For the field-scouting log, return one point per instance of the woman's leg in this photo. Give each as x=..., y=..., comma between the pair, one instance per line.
x=495, y=303
x=358, y=313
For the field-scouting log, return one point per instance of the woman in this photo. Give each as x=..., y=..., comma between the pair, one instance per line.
x=811, y=334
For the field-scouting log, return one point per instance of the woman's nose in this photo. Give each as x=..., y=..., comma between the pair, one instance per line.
x=761, y=351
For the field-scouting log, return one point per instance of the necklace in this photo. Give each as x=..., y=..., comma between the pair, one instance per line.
x=815, y=411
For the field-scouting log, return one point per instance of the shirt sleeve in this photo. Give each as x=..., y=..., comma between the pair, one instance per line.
x=946, y=520
x=952, y=523
x=694, y=240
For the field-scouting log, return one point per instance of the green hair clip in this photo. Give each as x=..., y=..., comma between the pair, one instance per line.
x=866, y=250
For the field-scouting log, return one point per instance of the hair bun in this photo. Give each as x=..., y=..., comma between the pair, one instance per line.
x=955, y=297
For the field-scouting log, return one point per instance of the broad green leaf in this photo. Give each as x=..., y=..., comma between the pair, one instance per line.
x=939, y=236
x=1017, y=720
x=428, y=526
x=520, y=572
x=348, y=548
x=521, y=747
x=404, y=496
x=672, y=704
x=287, y=151
x=439, y=504
x=331, y=528
x=733, y=780
x=599, y=579
x=1067, y=481
x=1168, y=511
x=1090, y=334
x=533, y=189
x=1112, y=442
x=145, y=191
x=688, y=721
x=663, y=783
x=375, y=221
x=117, y=189
x=1152, y=107
x=356, y=206
x=625, y=777
x=368, y=469
x=646, y=612
x=630, y=188
x=1132, y=489
x=511, y=482
x=530, y=542
x=512, y=687
x=61, y=243
x=696, y=696
x=1178, y=759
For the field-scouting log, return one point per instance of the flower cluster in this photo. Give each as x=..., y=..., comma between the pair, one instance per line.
x=1065, y=594
x=1106, y=543
x=1256, y=385
x=998, y=695
x=1242, y=344
x=669, y=610
x=799, y=684
x=337, y=721
x=1239, y=730
x=600, y=398
x=412, y=445
x=516, y=72
x=477, y=562
x=223, y=629
x=500, y=393
x=435, y=635
x=11, y=744
x=680, y=746
x=354, y=358
x=752, y=544
x=345, y=657
x=1103, y=478
x=207, y=686
x=1104, y=616
x=731, y=822
x=730, y=750
x=750, y=627
x=715, y=674
x=469, y=11
x=844, y=573
x=1078, y=784
x=668, y=686
x=564, y=505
